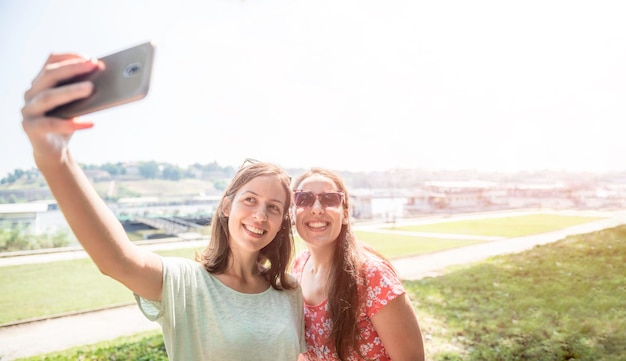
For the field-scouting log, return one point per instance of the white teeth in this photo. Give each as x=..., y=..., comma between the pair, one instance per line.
x=254, y=229
x=317, y=224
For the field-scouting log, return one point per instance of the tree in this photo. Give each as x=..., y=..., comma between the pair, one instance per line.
x=114, y=168
x=149, y=170
x=172, y=172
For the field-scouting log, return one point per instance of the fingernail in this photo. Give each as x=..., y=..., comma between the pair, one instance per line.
x=81, y=124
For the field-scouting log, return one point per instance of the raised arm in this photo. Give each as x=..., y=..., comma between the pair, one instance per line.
x=398, y=328
x=91, y=220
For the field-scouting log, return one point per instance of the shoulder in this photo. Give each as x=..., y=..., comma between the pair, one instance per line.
x=180, y=262
x=377, y=271
x=292, y=295
x=180, y=266
x=373, y=263
x=379, y=284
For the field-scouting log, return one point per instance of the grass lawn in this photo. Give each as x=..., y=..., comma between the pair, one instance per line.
x=514, y=226
x=561, y=301
x=58, y=287
x=54, y=288
x=401, y=245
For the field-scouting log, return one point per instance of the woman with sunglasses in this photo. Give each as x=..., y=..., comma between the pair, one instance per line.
x=236, y=301
x=355, y=306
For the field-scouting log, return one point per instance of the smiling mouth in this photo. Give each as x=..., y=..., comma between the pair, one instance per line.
x=317, y=225
x=254, y=230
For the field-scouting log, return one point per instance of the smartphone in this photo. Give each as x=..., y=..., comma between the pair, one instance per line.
x=124, y=79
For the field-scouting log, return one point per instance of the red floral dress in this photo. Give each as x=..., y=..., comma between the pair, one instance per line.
x=379, y=286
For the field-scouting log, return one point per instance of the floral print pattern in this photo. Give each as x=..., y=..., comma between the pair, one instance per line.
x=379, y=286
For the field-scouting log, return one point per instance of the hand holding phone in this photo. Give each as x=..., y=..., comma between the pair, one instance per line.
x=124, y=79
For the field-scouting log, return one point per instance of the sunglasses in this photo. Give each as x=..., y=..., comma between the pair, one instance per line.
x=249, y=161
x=307, y=198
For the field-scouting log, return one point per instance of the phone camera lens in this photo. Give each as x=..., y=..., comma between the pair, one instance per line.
x=132, y=70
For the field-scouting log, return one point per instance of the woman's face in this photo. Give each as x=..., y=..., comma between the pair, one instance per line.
x=317, y=225
x=256, y=214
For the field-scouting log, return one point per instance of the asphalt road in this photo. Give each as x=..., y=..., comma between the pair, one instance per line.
x=56, y=334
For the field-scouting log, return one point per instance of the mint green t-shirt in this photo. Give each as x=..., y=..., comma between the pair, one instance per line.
x=203, y=319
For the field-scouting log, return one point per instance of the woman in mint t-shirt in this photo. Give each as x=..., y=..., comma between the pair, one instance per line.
x=236, y=302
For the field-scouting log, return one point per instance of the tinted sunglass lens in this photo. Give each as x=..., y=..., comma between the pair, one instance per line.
x=330, y=199
x=304, y=199
x=307, y=199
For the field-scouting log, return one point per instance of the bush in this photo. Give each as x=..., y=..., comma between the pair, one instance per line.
x=19, y=238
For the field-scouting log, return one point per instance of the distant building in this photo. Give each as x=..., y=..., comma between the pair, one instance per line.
x=15, y=214
x=361, y=204
x=421, y=201
x=540, y=195
x=464, y=195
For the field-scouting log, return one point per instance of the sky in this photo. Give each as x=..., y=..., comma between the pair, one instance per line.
x=348, y=85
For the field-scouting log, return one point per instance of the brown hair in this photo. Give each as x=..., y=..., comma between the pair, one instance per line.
x=276, y=256
x=343, y=299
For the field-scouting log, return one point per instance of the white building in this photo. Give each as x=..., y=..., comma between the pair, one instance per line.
x=13, y=214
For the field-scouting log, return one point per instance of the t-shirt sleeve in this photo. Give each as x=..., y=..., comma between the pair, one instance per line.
x=175, y=274
x=153, y=310
x=382, y=285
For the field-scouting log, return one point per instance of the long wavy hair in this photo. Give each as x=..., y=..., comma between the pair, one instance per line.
x=343, y=298
x=275, y=258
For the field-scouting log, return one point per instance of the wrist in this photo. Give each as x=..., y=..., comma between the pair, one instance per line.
x=47, y=162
